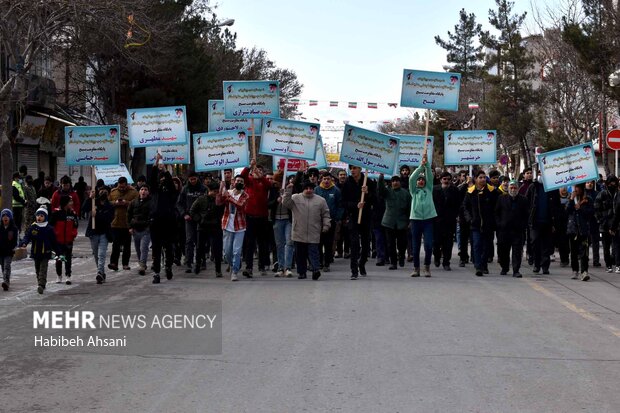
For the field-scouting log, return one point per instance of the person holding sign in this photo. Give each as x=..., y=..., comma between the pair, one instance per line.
x=580, y=211
x=101, y=233
x=422, y=215
x=233, y=222
x=164, y=197
x=359, y=233
x=257, y=216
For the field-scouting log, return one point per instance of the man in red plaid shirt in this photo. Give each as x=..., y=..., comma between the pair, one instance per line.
x=233, y=222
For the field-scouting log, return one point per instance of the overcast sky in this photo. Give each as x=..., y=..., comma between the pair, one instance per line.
x=353, y=50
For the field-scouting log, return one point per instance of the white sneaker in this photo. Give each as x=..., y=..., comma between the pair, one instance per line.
x=575, y=275
x=617, y=270
x=288, y=274
x=609, y=269
x=233, y=277
x=59, y=279
x=279, y=274
x=585, y=276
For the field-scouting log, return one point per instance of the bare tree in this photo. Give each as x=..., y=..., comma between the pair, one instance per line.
x=30, y=28
x=570, y=102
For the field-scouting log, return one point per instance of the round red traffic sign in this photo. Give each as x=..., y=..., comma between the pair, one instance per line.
x=613, y=139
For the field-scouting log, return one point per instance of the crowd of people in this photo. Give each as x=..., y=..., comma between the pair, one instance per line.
x=305, y=221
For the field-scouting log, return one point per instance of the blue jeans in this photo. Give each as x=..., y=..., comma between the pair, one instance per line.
x=284, y=245
x=233, y=244
x=419, y=228
x=142, y=241
x=481, y=252
x=5, y=262
x=191, y=236
x=99, y=245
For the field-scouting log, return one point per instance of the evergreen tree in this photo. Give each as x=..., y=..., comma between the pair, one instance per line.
x=508, y=105
x=463, y=55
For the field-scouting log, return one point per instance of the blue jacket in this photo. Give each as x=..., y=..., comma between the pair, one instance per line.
x=43, y=241
x=334, y=201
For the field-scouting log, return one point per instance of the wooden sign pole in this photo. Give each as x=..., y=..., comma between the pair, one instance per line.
x=359, y=215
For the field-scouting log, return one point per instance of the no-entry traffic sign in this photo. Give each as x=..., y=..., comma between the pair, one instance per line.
x=613, y=139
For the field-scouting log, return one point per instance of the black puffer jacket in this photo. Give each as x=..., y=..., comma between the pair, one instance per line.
x=479, y=208
x=604, y=209
x=579, y=219
x=139, y=214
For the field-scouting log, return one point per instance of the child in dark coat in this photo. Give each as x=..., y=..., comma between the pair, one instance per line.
x=8, y=242
x=43, y=240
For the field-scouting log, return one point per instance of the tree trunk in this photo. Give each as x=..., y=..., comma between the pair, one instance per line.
x=602, y=137
x=6, y=163
x=524, y=154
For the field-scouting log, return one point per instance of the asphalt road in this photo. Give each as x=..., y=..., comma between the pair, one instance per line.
x=384, y=343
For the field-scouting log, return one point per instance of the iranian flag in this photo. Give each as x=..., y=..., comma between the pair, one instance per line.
x=295, y=102
x=473, y=105
x=353, y=105
x=314, y=102
x=372, y=105
x=333, y=104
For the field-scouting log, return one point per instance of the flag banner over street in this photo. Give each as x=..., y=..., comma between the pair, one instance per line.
x=369, y=150
x=430, y=90
x=92, y=145
x=254, y=99
x=157, y=126
x=110, y=173
x=217, y=121
x=567, y=166
x=294, y=165
x=470, y=147
x=170, y=155
x=220, y=150
x=412, y=148
x=289, y=138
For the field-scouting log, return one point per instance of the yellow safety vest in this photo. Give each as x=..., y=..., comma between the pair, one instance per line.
x=20, y=189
